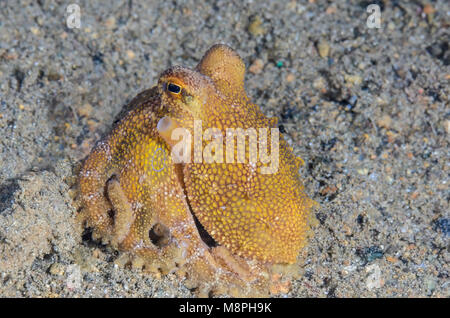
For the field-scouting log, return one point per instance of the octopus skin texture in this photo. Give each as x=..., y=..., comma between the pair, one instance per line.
x=224, y=228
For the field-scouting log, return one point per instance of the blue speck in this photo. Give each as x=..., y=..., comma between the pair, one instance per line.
x=369, y=254
x=353, y=100
x=443, y=224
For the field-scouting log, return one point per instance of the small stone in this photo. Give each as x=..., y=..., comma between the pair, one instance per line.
x=363, y=171
x=187, y=12
x=328, y=190
x=110, y=23
x=130, y=54
x=349, y=268
x=347, y=230
x=57, y=269
x=54, y=76
x=385, y=121
x=256, y=67
x=319, y=83
x=447, y=126
x=391, y=259
x=430, y=284
x=290, y=78
x=74, y=278
x=428, y=9
x=391, y=136
x=34, y=30
x=92, y=125
x=255, y=27
x=353, y=79
x=374, y=279
x=85, y=110
x=331, y=9
x=323, y=48
x=291, y=5
x=352, y=101
x=300, y=9
x=10, y=56
x=380, y=101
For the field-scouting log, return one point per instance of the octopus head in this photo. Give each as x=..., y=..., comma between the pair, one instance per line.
x=185, y=93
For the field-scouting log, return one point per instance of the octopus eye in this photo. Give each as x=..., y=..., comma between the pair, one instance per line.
x=174, y=88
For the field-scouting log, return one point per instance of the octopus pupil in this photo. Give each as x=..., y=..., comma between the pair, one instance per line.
x=174, y=88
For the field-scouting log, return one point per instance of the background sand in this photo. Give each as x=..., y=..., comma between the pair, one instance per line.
x=367, y=109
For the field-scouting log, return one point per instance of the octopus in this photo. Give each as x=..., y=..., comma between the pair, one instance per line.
x=234, y=226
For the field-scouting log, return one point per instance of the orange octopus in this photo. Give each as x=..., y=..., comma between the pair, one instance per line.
x=225, y=227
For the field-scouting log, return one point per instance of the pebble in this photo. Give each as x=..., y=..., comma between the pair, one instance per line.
x=34, y=30
x=323, y=48
x=85, y=110
x=328, y=190
x=255, y=27
x=290, y=78
x=74, y=278
x=54, y=76
x=110, y=23
x=331, y=9
x=319, y=83
x=428, y=9
x=57, y=269
x=385, y=121
x=391, y=259
x=353, y=79
x=130, y=54
x=348, y=269
x=363, y=171
x=256, y=67
x=374, y=280
x=430, y=284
